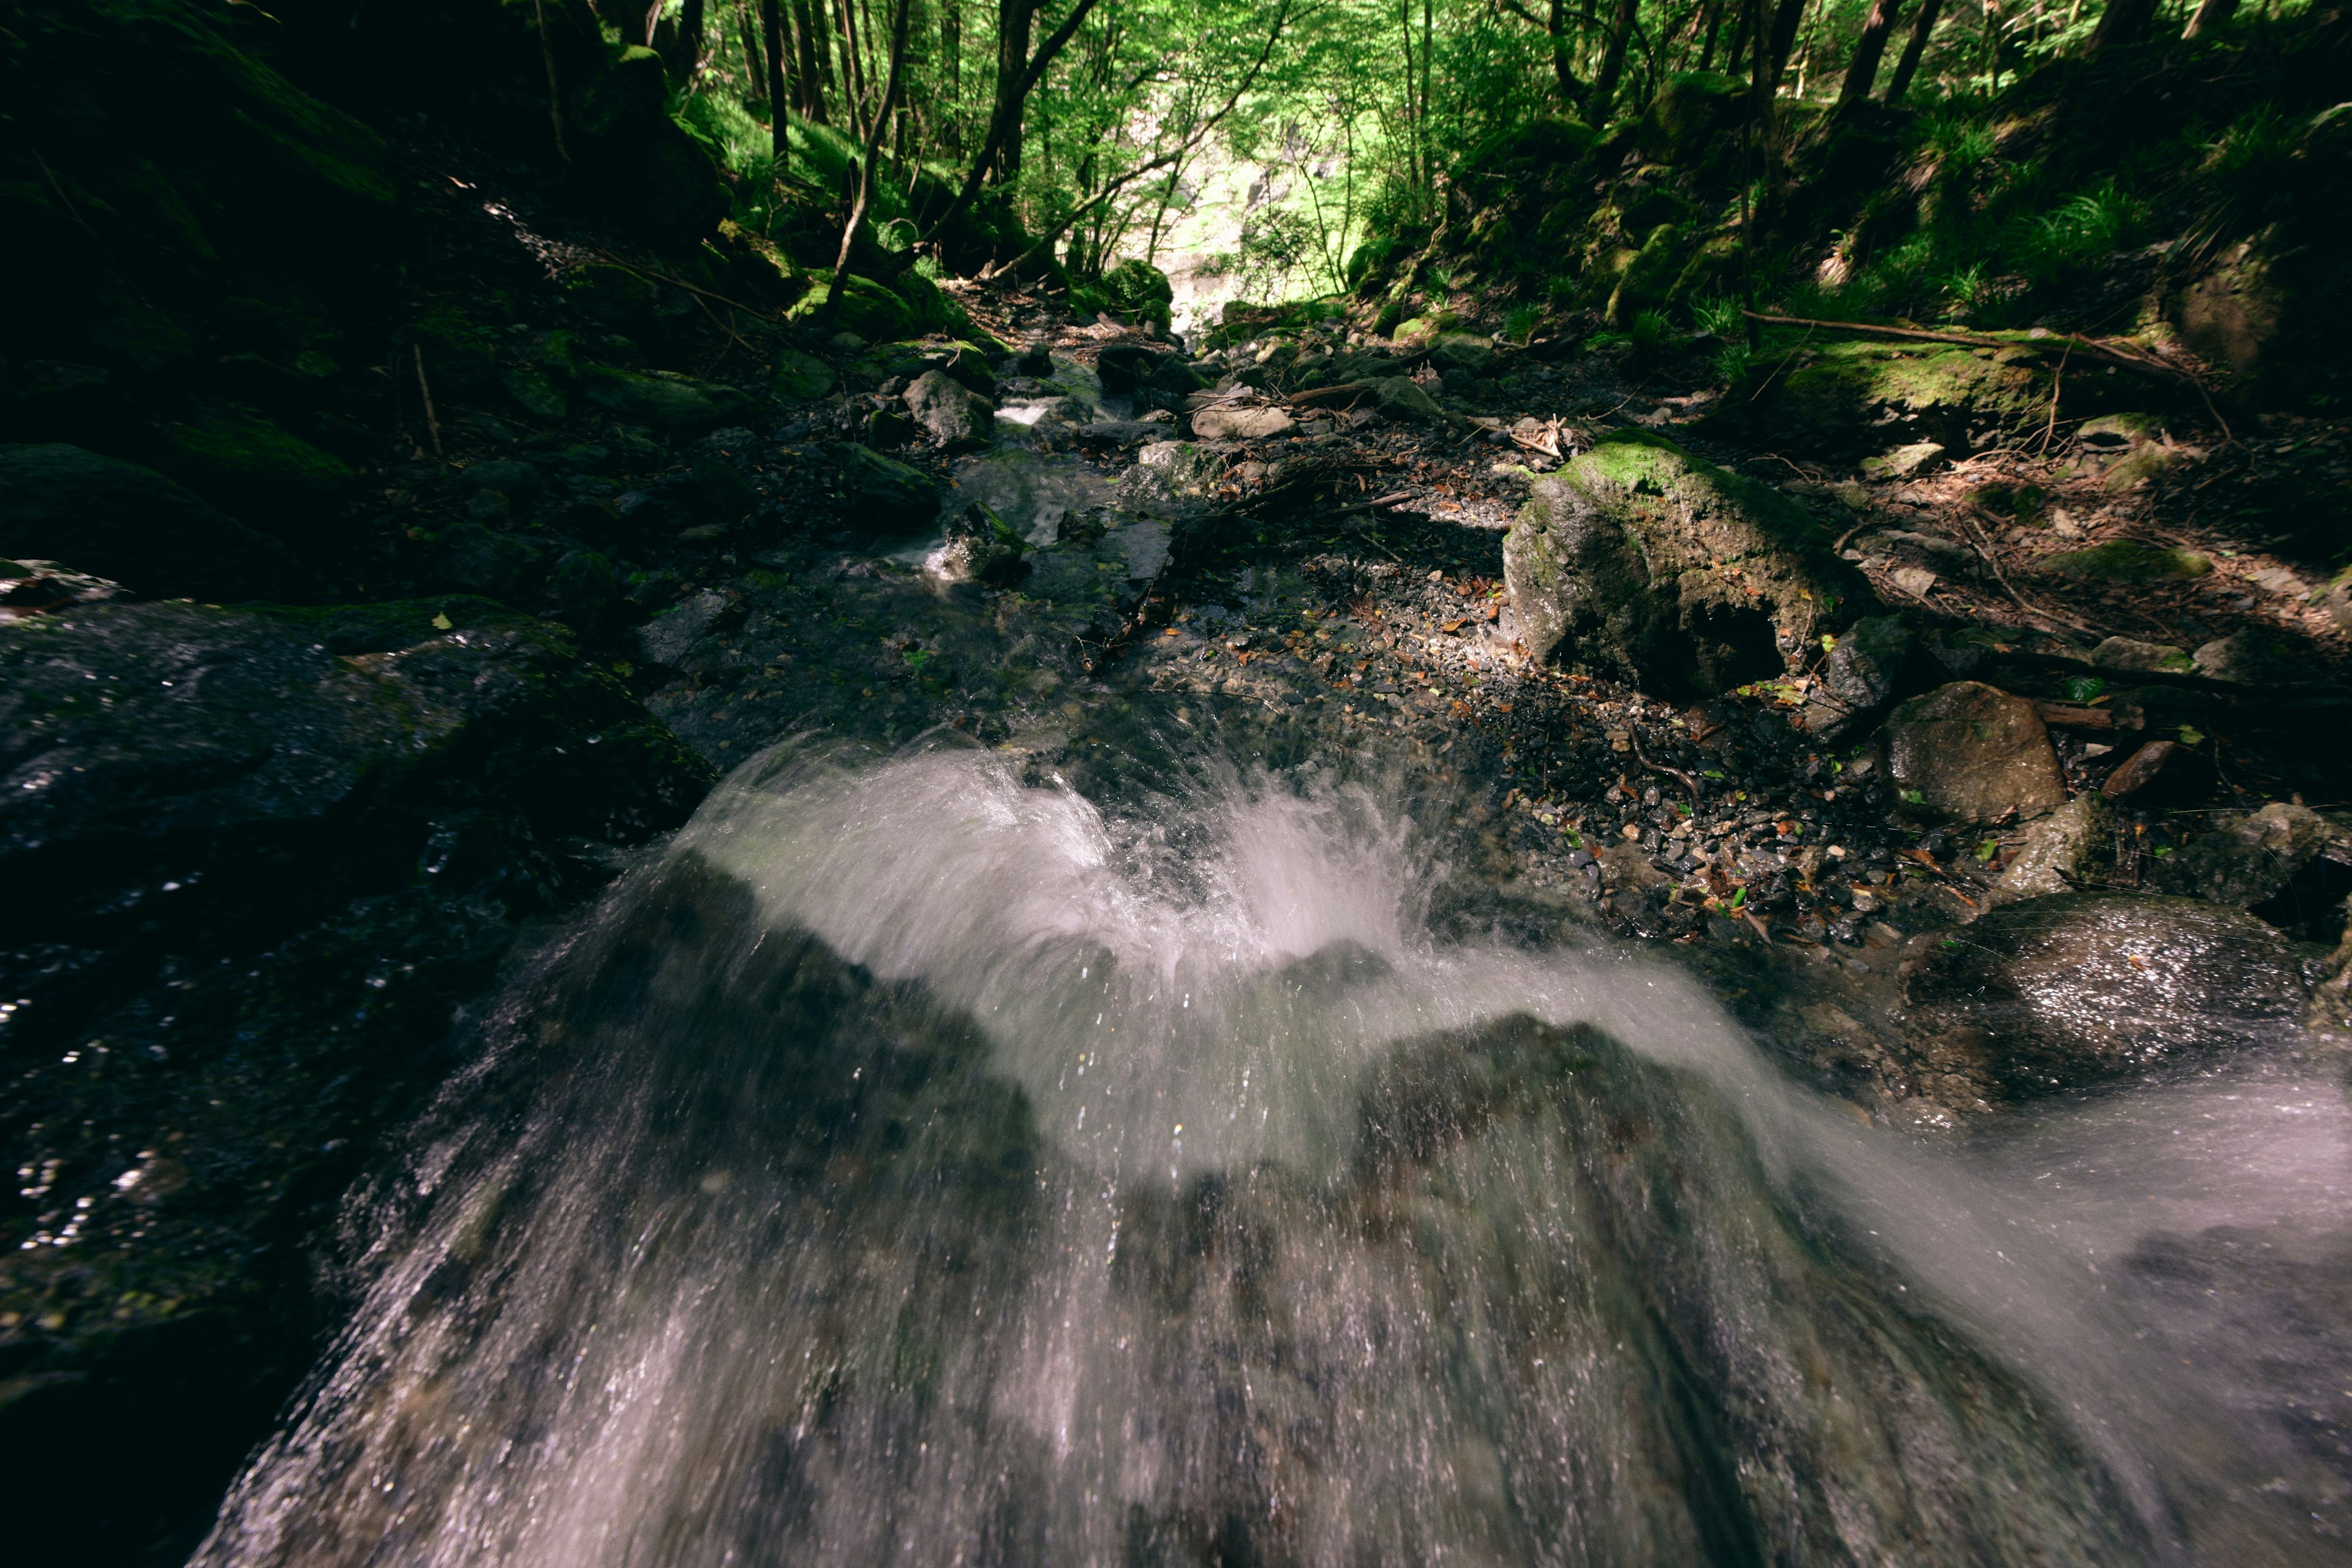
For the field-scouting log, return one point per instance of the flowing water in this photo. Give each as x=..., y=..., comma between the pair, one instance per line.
x=913, y=1164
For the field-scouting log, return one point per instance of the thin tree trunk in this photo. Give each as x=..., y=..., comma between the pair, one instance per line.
x=866, y=166
x=779, y=133
x=748, y=35
x=1786, y=20
x=1714, y=25
x=1861, y=74
x=1922, y=25
x=809, y=40
x=2211, y=15
x=1004, y=123
x=1563, y=63
x=1612, y=64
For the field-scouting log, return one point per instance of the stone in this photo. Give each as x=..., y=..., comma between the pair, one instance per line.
x=2130, y=561
x=1180, y=467
x=1461, y=353
x=2142, y=465
x=868, y=310
x=666, y=639
x=2248, y=859
x=1905, y=462
x=2070, y=847
x=499, y=566
x=1845, y=399
x=246, y=463
x=1915, y=581
x=665, y=399
x=1864, y=671
x=982, y=547
x=1971, y=753
x=1125, y=368
x=2120, y=430
x=2246, y=657
x=801, y=378
x=2072, y=989
x=958, y=418
x=1240, y=424
x=505, y=475
x=129, y=525
x=883, y=495
x=1644, y=563
x=2124, y=653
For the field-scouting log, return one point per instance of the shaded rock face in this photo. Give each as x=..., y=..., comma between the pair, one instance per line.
x=129, y=525
x=2287, y=863
x=1972, y=753
x=1848, y=398
x=276, y=850
x=885, y=496
x=1642, y=562
x=2074, y=989
x=2066, y=849
x=1867, y=670
x=957, y=418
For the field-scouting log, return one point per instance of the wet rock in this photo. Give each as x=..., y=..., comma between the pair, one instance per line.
x=1126, y=367
x=665, y=399
x=958, y=418
x=2130, y=561
x=885, y=497
x=583, y=592
x=1178, y=468
x=2124, y=653
x=2079, y=988
x=1866, y=671
x=2285, y=862
x=1240, y=424
x=2073, y=846
x=665, y=639
x=1641, y=561
x=128, y=524
x=1974, y=754
x=982, y=548
x=499, y=566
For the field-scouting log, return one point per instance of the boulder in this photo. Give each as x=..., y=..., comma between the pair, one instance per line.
x=867, y=309
x=1644, y=563
x=2285, y=862
x=2072, y=989
x=799, y=377
x=1845, y=399
x=1866, y=670
x=1971, y=753
x=1400, y=398
x=1905, y=462
x=239, y=459
x=982, y=547
x=957, y=418
x=665, y=399
x=128, y=524
x=883, y=495
x=1126, y=368
x=2247, y=656
x=2070, y=847
x=1461, y=353
x=1179, y=469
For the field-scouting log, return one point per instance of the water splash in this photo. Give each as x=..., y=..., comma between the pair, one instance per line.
x=915, y=1164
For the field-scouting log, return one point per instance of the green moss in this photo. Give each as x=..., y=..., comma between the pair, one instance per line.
x=232, y=447
x=662, y=398
x=800, y=377
x=867, y=309
x=2130, y=561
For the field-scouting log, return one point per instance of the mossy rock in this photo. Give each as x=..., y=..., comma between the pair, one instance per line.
x=612, y=297
x=129, y=525
x=2143, y=467
x=868, y=309
x=799, y=377
x=2130, y=561
x=1139, y=287
x=1649, y=276
x=885, y=497
x=235, y=457
x=1687, y=120
x=1847, y=399
x=535, y=391
x=1643, y=561
x=665, y=399
x=929, y=307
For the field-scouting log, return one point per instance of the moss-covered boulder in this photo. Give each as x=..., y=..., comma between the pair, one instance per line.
x=1648, y=278
x=1854, y=398
x=129, y=525
x=1640, y=561
x=665, y=399
x=870, y=308
x=1137, y=289
x=1689, y=119
x=799, y=378
x=251, y=465
x=883, y=495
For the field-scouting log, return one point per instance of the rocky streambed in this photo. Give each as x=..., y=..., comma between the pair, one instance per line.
x=1970, y=772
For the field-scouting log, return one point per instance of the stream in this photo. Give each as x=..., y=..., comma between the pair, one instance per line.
x=917, y=1158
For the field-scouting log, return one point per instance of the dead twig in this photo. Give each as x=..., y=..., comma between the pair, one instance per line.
x=432, y=422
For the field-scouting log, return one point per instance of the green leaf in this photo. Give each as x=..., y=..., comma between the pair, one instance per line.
x=1988, y=850
x=1738, y=897
x=2190, y=735
x=2083, y=688
x=1913, y=797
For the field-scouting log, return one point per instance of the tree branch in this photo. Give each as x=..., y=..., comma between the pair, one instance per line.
x=1007, y=118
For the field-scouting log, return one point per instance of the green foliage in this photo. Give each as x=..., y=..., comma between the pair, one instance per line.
x=1519, y=326
x=1721, y=317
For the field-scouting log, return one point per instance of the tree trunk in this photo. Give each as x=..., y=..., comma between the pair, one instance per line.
x=1908, y=66
x=1613, y=63
x=865, y=197
x=2211, y=15
x=815, y=58
x=778, y=134
x=689, y=44
x=1714, y=26
x=749, y=37
x=1786, y=20
x=1861, y=74
x=1014, y=20
x=1563, y=63
x=2126, y=23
